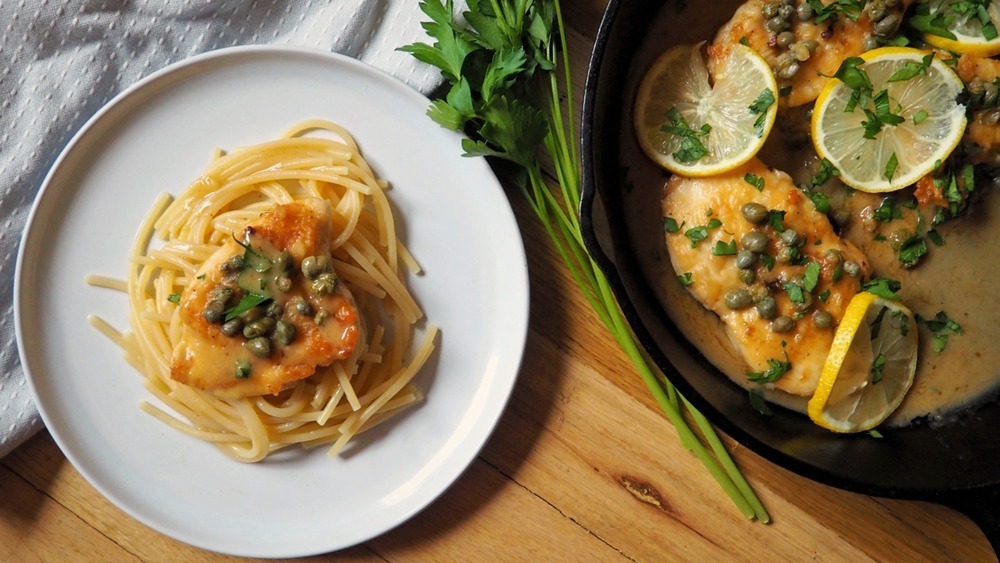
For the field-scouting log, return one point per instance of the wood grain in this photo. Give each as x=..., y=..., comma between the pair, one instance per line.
x=582, y=467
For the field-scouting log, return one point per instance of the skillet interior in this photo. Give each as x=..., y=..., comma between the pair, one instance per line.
x=955, y=463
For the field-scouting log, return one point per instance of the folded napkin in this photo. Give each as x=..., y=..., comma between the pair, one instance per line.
x=61, y=60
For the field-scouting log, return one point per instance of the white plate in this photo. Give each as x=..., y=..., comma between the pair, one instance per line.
x=158, y=136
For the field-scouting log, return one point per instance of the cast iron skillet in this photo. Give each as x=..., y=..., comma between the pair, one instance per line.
x=957, y=464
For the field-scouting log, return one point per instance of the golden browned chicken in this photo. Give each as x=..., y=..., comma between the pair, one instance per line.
x=266, y=310
x=752, y=248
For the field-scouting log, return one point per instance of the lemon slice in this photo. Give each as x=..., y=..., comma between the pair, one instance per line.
x=869, y=368
x=965, y=20
x=696, y=123
x=930, y=120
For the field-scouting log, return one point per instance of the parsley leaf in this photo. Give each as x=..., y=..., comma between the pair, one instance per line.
x=725, y=249
x=876, y=370
x=685, y=279
x=247, y=302
x=670, y=225
x=174, y=298
x=941, y=327
x=883, y=287
x=691, y=149
x=759, y=108
x=890, y=167
x=912, y=69
x=776, y=369
x=754, y=180
x=811, y=276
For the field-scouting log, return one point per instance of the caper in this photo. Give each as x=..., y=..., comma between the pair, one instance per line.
x=799, y=51
x=303, y=307
x=852, y=268
x=221, y=293
x=892, y=3
x=785, y=38
x=283, y=262
x=871, y=42
x=738, y=298
x=776, y=25
x=214, y=312
x=258, y=328
x=810, y=45
x=990, y=94
x=770, y=9
x=804, y=12
x=887, y=25
x=833, y=257
x=284, y=332
x=232, y=327
x=747, y=276
x=877, y=10
x=321, y=317
x=755, y=213
x=786, y=11
x=790, y=237
x=325, y=284
x=253, y=314
x=767, y=308
x=234, y=264
x=991, y=117
x=274, y=310
x=758, y=292
x=782, y=324
x=789, y=71
x=260, y=346
x=898, y=237
x=807, y=301
x=310, y=267
x=783, y=61
x=822, y=319
x=745, y=259
x=755, y=241
x=283, y=283
x=786, y=255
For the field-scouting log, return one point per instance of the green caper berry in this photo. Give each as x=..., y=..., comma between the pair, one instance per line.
x=274, y=310
x=258, y=328
x=283, y=262
x=877, y=10
x=310, y=267
x=805, y=12
x=259, y=346
x=852, y=268
x=283, y=283
x=232, y=327
x=898, y=237
x=738, y=298
x=790, y=237
x=776, y=25
x=786, y=255
x=303, y=307
x=321, y=317
x=789, y=71
x=822, y=319
x=253, y=314
x=770, y=9
x=887, y=25
x=754, y=213
x=990, y=94
x=783, y=61
x=767, y=308
x=991, y=117
x=833, y=257
x=747, y=276
x=810, y=45
x=325, y=284
x=799, y=52
x=323, y=263
x=785, y=38
x=284, y=332
x=755, y=241
x=785, y=11
x=221, y=293
x=782, y=324
x=234, y=264
x=871, y=43
x=214, y=312
x=745, y=259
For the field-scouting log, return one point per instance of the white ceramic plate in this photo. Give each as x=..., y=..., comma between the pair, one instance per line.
x=158, y=136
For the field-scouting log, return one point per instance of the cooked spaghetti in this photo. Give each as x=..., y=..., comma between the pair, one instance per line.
x=275, y=311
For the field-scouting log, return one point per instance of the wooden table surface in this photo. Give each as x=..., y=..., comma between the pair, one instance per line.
x=582, y=467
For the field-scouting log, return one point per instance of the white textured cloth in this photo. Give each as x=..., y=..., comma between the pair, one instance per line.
x=61, y=60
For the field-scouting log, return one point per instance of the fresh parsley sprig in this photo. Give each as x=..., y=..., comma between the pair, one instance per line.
x=502, y=66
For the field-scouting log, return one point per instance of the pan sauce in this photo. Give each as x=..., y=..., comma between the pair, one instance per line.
x=960, y=278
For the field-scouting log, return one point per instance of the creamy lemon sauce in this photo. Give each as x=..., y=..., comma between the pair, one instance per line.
x=961, y=278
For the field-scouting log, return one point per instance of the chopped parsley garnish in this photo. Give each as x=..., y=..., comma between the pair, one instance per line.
x=912, y=250
x=768, y=261
x=700, y=233
x=247, y=302
x=875, y=434
x=920, y=116
x=811, y=276
x=754, y=180
x=941, y=327
x=759, y=108
x=776, y=219
x=876, y=325
x=796, y=293
x=850, y=9
x=877, y=366
x=935, y=237
x=912, y=69
x=776, y=369
x=883, y=287
x=890, y=167
x=685, y=279
x=725, y=249
x=242, y=369
x=201, y=277
x=670, y=225
x=691, y=149
x=758, y=403
x=887, y=211
x=174, y=298
x=826, y=170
